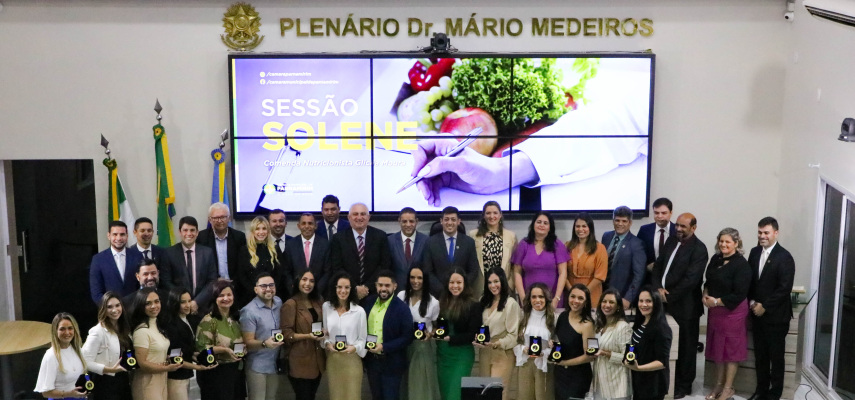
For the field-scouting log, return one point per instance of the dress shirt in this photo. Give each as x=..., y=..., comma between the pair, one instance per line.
x=431, y=315
x=670, y=260
x=102, y=348
x=258, y=318
x=281, y=244
x=620, y=240
x=447, y=242
x=764, y=257
x=192, y=267
x=412, y=241
x=121, y=258
x=375, y=320
x=222, y=254
x=357, y=235
x=353, y=324
x=311, y=245
x=143, y=250
x=334, y=225
x=656, y=232
x=51, y=378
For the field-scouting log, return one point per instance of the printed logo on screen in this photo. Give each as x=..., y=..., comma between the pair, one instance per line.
x=242, y=24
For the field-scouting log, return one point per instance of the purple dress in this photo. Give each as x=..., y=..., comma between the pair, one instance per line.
x=540, y=268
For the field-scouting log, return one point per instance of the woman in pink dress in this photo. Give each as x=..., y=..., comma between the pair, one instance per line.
x=541, y=257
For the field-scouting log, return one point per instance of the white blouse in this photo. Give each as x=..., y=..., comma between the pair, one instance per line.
x=353, y=324
x=51, y=378
x=102, y=349
x=536, y=326
x=432, y=311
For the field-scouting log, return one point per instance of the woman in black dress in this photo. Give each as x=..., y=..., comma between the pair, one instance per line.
x=573, y=375
x=259, y=255
x=651, y=344
x=180, y=326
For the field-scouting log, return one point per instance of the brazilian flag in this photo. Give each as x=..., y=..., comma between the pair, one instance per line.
x=165, y=189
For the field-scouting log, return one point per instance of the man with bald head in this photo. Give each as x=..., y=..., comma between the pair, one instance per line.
x=361, y=250
x=678, y=274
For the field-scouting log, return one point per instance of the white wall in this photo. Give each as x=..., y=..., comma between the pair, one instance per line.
x=72, y=70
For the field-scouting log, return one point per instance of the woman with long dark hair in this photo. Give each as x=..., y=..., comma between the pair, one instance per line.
x=63, y=362
x=180, y=326
x=220, y=330
x=541, y=257
x=455, y=354
x=306, y=360
x=259, y=255
x=501, y=315
x=107, y=343
x=573, y=375
x=150, y=347
x=420, y=381
x=344, y=317
x=611, y=379
x=651, y=341
x=538, y=320
x=589, y=262
x=494, y=244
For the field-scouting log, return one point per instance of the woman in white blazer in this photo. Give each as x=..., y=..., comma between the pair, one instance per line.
x=108, y=342
x=494, y=245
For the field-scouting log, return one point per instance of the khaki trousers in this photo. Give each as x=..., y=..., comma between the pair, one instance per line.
x=535, y=384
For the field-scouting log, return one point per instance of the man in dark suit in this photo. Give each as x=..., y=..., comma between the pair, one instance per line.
x=144, y=232
x=678, y=275
x=332, y=222
x=195, y=266
x=296, y=251
x=654, y=235
x=278, y=223
x=147, y=276
x=224, y=240
x=361, y=250
x=626, y=257
x=390, y=320
x=449, y=250
x=113, y=269
x=407, y=245
x=771, y=311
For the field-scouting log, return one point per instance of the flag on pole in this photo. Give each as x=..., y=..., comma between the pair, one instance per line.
x=118, y=206
x=165, y=189
x=219, y=189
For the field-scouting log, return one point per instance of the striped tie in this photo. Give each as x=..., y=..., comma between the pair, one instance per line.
x=360, y=248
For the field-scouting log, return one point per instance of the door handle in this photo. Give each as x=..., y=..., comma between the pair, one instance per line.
x=24, y=250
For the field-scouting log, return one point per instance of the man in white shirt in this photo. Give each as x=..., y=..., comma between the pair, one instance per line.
x=278, y=223
x=655, y=234
x=113, y=269
x=408, y=245
x=332, y=222
x=307, y=250
x=144, y=232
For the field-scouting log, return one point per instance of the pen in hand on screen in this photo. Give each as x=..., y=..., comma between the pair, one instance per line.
x=470, y=137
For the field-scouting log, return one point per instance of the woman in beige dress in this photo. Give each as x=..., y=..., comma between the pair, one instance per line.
x=502, y=316
x=150, y=347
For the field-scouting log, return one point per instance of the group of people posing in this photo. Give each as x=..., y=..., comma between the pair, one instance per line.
x=410, y=310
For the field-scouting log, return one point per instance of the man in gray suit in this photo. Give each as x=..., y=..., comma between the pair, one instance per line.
x=627, y=257
x=407, y=245
x=449, y=250
x=195, y=267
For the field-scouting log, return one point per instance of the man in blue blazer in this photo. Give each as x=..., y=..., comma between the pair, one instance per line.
x=332, y=222
x=114, y=269
x=144, y=232
x=626, y=257
x=654, y=235
x=407, y=245
x=389, y=319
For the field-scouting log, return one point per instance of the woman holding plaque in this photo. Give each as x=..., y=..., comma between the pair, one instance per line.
x=63, y=362
x=220, y=331
x=573, y=374
x=150, y=347
x=259, y=255
x=494, y=245
x=180, y=326
x=589, y=261
x=650, y=348
x=725, y=294
x=347, y=329
x=541, y=257
x=534, y=343
x=455, y=355
x=611, y=379
x=501, y=316
x=306, y=360
x=420, y=382
x=107, y=343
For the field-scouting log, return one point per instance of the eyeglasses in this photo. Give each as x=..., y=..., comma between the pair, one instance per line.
x=219, y=218
x=266, y=286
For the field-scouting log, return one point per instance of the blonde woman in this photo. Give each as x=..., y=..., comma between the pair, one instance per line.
x=63, y=363
x=494, y=245
x=259, y=255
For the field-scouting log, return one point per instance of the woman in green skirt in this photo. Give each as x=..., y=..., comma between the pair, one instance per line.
x=420, y=382
x=461, y=317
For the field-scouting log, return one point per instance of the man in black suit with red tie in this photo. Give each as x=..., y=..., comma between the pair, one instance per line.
x=771, y=311
x=361, y=250
x=678, y=274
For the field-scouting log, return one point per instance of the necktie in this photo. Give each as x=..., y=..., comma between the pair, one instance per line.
x=613, y=250
x=306, y=252
x=451, y=249
x=278, y=244
x=360, y=248
x=763, y=257
x=190, y=269
x=661, y=240
x=330, y=232
x=120, y=263
x=408, y=251
x=145, y=254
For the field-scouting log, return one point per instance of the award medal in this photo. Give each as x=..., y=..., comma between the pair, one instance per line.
x=340, y=346
x=89, y=385
x=630, y=355
x=279, y=337
x=210, y=357
x=371, y=345
x=130, y=359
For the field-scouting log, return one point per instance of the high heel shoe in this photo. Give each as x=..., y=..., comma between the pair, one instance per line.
x=715, y=392
x=726, y=394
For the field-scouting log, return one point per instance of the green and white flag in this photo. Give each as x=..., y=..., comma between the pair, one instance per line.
x=118, y=207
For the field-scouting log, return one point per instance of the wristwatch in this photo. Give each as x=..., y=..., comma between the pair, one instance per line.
x=716, y=302
x=264, y=344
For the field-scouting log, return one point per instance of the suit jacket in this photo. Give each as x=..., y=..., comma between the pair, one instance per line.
x=104, y=275
x=509, y=244
x=161, y=260
x=400, y=266
x=647, y=234
x=206, y=272
x=438, y=267
x=772, y=288
x=294, y=262
x=344, y=255
x=234, y=241
x=321, y=231
x=628, y=267
x=306, y=357
x=655, y=345
x=397, y=333
x=685, y=277
x=285, y=239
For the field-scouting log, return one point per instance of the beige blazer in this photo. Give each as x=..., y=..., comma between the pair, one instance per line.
x=509, y=244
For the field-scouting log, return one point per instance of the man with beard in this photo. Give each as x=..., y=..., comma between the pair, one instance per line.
x=113, y=269
x=148, y=277
x=258, y=319
x=278, y=223
x=144, y=232
x=389, y=319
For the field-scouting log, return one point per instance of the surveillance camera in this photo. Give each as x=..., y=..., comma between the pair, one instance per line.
x=789, y=16
x=847, y=130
